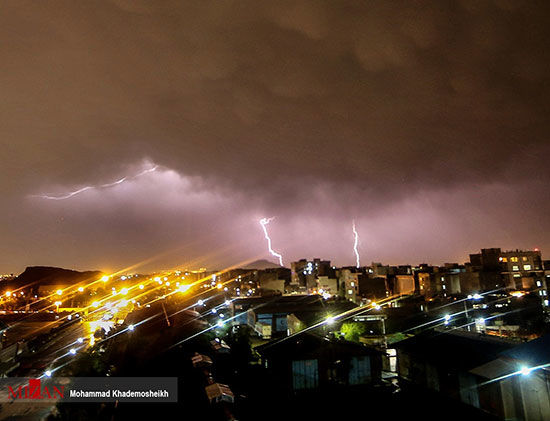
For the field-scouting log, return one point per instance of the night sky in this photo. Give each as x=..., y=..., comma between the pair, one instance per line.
x=425, y=122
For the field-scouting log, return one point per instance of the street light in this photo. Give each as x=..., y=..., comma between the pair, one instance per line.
x=524, y=370
x=59, y=292
x=72, y=351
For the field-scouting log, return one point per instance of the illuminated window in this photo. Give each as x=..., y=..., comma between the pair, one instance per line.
x=513, y=259
x=503, y=259
x=350, y=291
x=524, y=258
x=539, y=283
x=526, y=267
x=516, y=268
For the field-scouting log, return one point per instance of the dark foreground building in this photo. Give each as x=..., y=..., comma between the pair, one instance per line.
x=310, y=363
x=506, y=379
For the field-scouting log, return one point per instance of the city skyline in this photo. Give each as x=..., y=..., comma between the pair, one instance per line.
x=224, y=210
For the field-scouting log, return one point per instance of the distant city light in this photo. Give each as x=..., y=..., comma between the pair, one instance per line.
x=124, y=291
x=105, y=278
x=330, y=320
x=141, y=286
x=59, y=292
x=72, y=351
x=48, y=373
x=80, y=289
x=131, y=327
x=80, y=340
x=220, y=323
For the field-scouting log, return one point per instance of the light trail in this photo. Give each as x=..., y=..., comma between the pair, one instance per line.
x=355, y=244
x=263, y=223
x=345, y=315
x=438, y=321
x=524, y=371
x=96, y=187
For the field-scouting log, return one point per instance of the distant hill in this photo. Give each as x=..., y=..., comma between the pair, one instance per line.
x=262, y=264
x=34, y=276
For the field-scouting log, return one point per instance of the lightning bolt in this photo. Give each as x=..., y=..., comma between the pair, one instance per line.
x=101, y=186
x=263, y=223
x=355, y=244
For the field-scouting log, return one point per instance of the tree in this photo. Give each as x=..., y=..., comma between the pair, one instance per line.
x=353, y=330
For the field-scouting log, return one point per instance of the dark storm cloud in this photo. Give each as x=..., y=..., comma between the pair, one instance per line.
x=312, y=111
